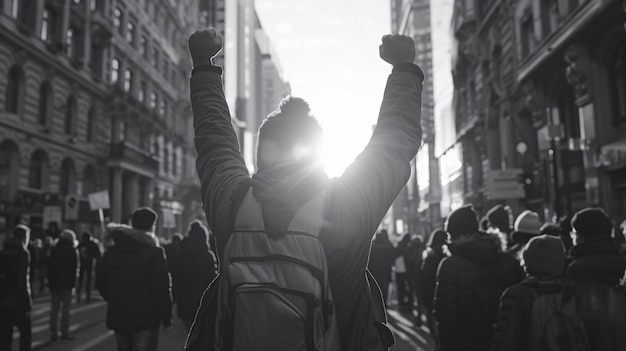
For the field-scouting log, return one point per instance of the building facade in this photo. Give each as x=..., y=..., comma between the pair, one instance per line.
x=95, y=97
x=540, y=87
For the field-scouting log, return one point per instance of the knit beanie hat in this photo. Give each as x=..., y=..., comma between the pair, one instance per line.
x=527, y=225
x=462, y=221
x=68, y=235
x=592, y=222
x=499, y=217
x=144, y=218
x=544, y=255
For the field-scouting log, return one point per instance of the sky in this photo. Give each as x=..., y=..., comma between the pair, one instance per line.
x=328, y=50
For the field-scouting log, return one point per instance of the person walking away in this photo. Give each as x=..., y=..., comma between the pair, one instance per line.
x=133, y=279
x=431, y=257
x=172, y=251
x=15, y=297
x=62, y=274
x=527, y=226
x=44, y=259
x=544, y=261
x=196, y=269
x=499, y=222
x=89, y=254
x=290, y=179
x=35, y=258
x=403, y=286
x=597, y=267
x=470, y=282
x=413, y=259
x=381, y=261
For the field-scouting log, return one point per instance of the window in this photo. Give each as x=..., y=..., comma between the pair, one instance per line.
x=91, y=122
x=89, y=180
x=155, y=57
x=70, y=116
x=69, y=43
x=165, y=67
x=143, y=46
x=45, y=25
x=130, y=32
x=162, y=107
x=93, y=5
x=527, y=34
x=128, y=77
x=618, y=77
x=174, y=162
x=14, y=90
x=141, y=94
x=166, y=159
x=38, y=169
x=68, y=177
x=115, y=70
x=153, y=99
x=117, y=20
x=45, y=103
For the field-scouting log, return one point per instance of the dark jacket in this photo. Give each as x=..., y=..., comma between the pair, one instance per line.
x=19, y=297
x=63, y=266
x=469, y=285
x=356, y=202
x=428, y=275
x=597, y=260
x=196, y=268
x=382, y=255
x=133, y=278
x=513, y=328
x=603, y=310
x=89, y=253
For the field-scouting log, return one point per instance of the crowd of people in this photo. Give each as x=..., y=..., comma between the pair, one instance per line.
x=140, y=276
x=498, y=284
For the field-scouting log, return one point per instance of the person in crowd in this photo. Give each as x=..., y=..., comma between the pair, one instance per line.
x=403, y=284
x=172, y=251
x=133, y=279
x=413, y=260
x=62, y=274
x=15, y=296
x=470, y=282
x=597, y=268
x=381, y=262
x=289, y=175
x=34, y=250
x=527, y=225
x=499, y=218
x=89, y=254
x=44, y=259
x=196, y=268
x=565, y=223
x=431, y=257
x=543, y=261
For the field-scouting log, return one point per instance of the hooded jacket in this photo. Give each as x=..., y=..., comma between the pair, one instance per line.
x=382, y=256
x=431, y=258
x=63, y=266
x=355, y=203
x=133, y=278
x=596, y=260
x=469, y=285
x=19, y=297
x=196, y=268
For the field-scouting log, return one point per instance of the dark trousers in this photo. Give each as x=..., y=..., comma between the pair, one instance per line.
x=140, y=340
x=61, y=300
x=405, y=295
x=84, y=276
x=15, y=317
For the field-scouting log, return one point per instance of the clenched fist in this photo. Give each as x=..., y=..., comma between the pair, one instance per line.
x=204, y=45
x=397, y=48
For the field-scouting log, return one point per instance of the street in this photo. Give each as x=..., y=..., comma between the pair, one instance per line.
x=87, y=325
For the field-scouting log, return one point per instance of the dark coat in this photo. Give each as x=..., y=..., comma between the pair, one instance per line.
x=428, y=275
x=196, y=268
x=133, y=278
x=603, y=310
x=21, y=296
x=469, y=285
x=513, y=328
x=63, y=266
x=597, y=260
x=89, y=252
x=382, y=256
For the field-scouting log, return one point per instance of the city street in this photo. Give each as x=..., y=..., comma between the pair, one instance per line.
x=87, y=325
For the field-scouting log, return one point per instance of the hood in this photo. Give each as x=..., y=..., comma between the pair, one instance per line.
x=129, y=239
x=283, y=190
x=191, y=246
x=607, y=265
x=480, y=248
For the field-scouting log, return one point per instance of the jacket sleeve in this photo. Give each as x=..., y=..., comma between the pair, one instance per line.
x=220, y=165
x=102, y=283
x=446, y=306
x=162, y=287
x=76, y=265
x=373, y=181
x=509, y=330
x=23, y=279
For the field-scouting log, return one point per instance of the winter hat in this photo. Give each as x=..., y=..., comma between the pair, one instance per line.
x=462, y=221
x=437, y=238
x=144, y=219
x=68, y=235
x=21, y=232
x=499, y=217
x=198, y=230
x=527, y=225
x=551, y=229
x=544, y=255
x=592, y=222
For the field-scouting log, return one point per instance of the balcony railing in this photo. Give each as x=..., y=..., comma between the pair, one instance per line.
x=126, y=152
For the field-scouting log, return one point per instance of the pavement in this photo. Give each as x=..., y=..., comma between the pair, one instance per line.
x=87, y=325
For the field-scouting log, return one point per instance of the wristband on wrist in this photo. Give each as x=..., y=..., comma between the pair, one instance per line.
x=207, y=68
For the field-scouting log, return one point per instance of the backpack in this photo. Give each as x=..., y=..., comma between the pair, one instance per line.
x=8, y=273
x=556, y=325
x=274, y=291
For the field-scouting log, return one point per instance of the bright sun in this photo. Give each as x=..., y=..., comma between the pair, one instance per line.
x=340, y=148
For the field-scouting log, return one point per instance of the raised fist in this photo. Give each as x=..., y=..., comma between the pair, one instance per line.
x=397, y=48
x=204, y=45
